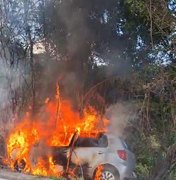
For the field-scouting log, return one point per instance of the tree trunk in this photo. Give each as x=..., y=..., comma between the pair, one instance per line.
x=31, y=55
x=32, y=74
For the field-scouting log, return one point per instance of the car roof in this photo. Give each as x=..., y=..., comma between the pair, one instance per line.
x=113, y=136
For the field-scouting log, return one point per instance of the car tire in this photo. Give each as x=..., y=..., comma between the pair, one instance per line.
x=20, y=165
x=108, y=173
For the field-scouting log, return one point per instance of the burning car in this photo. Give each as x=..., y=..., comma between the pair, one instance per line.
x=104, y=157
x=61, y=142
x=106, y=152
x=107, y=157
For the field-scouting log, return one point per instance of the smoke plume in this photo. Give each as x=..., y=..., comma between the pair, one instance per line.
x=120, y=115
x=11, y=79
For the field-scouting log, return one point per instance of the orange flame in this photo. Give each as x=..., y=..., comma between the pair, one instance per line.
x=98, y=173
x=55, y=127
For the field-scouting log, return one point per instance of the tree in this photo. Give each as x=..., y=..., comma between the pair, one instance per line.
x=20, y=31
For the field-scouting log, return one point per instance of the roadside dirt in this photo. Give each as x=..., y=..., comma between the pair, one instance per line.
x=8, y=175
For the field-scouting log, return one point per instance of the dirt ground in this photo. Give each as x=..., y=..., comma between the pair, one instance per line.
x=8, y=175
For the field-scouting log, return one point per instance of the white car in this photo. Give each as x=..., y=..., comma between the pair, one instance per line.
x=107, y=152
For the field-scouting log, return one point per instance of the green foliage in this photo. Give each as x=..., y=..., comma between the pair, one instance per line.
x=137, y=7
x=142, y=171
x=172, y=175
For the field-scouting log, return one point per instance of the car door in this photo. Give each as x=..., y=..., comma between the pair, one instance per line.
x=90, y=151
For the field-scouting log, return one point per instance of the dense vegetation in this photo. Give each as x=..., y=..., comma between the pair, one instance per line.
x=101, y=52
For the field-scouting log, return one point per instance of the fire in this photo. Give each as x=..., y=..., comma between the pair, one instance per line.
x=28, y=142
x=98, y=173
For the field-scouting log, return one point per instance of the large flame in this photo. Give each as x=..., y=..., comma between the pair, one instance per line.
x=55, y=127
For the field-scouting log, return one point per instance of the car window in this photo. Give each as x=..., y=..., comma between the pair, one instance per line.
x=124, y=143
x=103, y=141
x=100, y=141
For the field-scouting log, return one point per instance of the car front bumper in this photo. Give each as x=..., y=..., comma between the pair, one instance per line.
x=125, y=172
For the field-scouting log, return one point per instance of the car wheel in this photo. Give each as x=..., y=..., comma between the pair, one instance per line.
x=19, y=165
x=108, y=172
